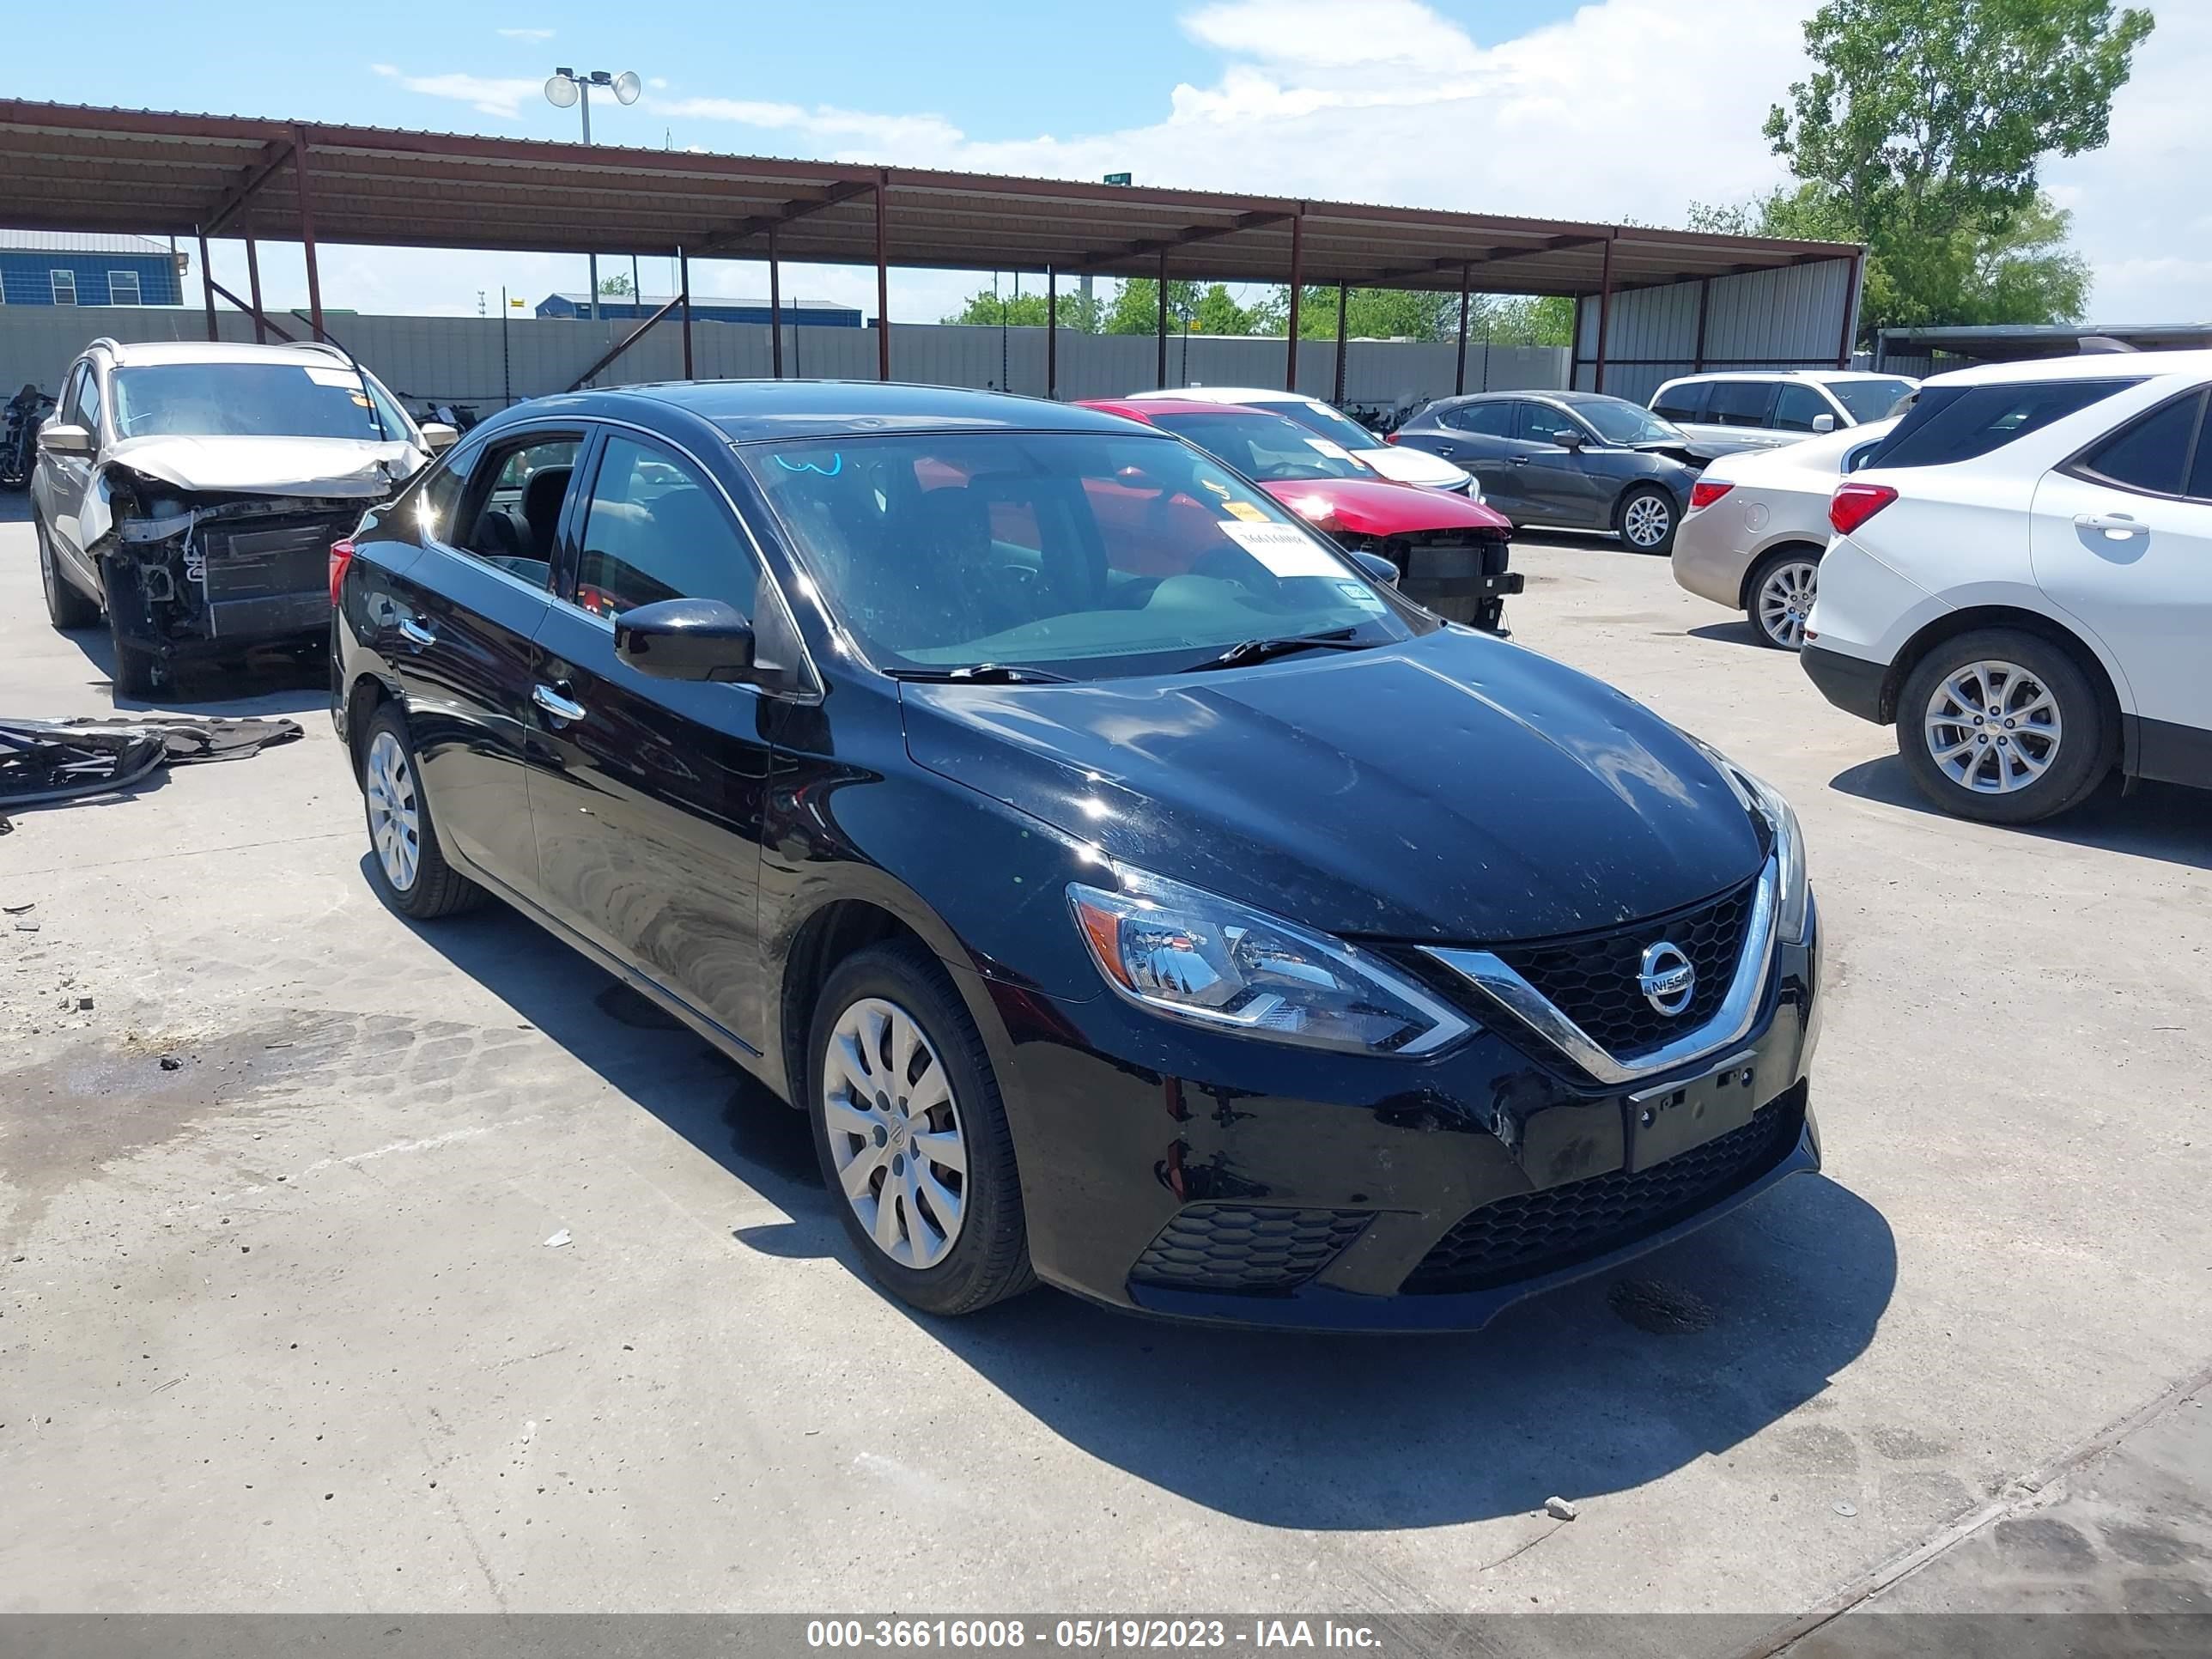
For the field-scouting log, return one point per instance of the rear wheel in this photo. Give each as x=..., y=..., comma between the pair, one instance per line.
x=2002, y=727
x=1781, y=593
x=1645, y=519
x=405, y=867
x=67, y=605
x=912, y=1136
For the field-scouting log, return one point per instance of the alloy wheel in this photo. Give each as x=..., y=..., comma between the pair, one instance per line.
x=894, y=1133
x=1992, y=727
x=395, y=817
x=1646, y=522
x=1784, y=601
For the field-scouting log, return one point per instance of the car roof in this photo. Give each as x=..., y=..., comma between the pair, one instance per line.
x=1223, y=394
x=1145, y=409
x=1545, y=394
x=751, y=411
x=1819, y=376
x=2090, y=365
x=214, y=351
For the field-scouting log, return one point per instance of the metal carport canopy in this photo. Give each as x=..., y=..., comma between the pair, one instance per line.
x=68, y=167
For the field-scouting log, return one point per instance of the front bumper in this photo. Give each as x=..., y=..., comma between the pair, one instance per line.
x=1193, y=1177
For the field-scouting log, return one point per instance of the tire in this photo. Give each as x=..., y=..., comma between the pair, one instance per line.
x=68, y=606
x=1778, y=594
x=980, y=1254
x=1646, y=518
x=137, y=671
x=2055, y=752
x=406, y=868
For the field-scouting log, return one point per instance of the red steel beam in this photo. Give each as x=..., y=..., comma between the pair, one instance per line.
x=637, y=334
x=261, y=325
x=1459, y=376
x=1343, y=308
x=683, y=287
x=307, y=230
x=1051, y=331
x=1604, y=315
x=774, y=308
x=207, y=285
x=1705, y=301
x=1298, y=282
x=882, y=293
x=1851, y=305
x=1162, y=330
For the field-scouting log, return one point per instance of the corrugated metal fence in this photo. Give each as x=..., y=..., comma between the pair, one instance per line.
x=481, y=362
x=1786, y=318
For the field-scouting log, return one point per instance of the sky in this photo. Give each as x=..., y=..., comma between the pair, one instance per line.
x=1607, y=110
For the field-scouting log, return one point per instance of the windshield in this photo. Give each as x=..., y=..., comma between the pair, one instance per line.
x=1619, y=422
x=1265, y=447
x=1089, y=556
x=252, y=400
x=1330, y=422
x=1870, y=400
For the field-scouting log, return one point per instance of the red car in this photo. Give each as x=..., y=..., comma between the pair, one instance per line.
x=1450, y=552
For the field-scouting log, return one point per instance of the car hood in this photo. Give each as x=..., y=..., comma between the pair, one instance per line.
x=1403, y=463
x=1383, y=509
x=271, y=466
x=1453, y=788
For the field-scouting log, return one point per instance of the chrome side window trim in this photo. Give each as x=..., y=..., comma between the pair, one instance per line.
x=1496, y=982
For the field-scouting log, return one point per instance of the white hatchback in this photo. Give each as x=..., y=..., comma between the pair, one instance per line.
x=1757, y=525
x=2021, y=581
x=1400, y=465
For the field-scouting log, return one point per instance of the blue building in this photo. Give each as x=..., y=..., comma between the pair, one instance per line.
x=50, y=268
x=814, y=313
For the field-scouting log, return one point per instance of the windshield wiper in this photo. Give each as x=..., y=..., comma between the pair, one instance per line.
x=1248, y=651
x=984, y=673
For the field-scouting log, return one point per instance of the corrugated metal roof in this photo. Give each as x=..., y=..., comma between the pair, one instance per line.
x=68, y=167
x=77, y=241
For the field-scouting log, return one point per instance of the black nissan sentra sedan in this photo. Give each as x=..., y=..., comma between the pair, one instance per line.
x=1136, y=893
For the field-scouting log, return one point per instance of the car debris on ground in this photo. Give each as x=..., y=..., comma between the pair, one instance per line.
x=43, y=763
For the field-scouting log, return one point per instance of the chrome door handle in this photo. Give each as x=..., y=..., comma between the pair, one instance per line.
x=1519, y=460
x=417, y=633
x=2118, y=526
x=560, y=707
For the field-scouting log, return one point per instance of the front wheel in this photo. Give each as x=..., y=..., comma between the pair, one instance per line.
x=1645, y=519
x=67, y=606
x=2002, y=727
x=1782, y=592
x=912, y=1136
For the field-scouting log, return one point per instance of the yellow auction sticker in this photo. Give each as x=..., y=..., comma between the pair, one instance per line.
x=1245, y=511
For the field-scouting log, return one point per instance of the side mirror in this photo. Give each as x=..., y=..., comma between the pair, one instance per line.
x=438, y=435
x=1824, y=423
x=686, y=640
x=1568, y=437
x=57, y=438
x=1377, y=567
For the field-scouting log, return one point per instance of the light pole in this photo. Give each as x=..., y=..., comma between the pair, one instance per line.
x=566, y=87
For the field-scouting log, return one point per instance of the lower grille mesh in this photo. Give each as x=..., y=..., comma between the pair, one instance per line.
x=1534, y=1233
x=1245, y=1248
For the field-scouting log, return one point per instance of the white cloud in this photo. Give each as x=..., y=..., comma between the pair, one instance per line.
x=503, y=96
x=528, y=34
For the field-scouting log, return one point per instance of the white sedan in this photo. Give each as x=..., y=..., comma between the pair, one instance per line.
x=1758, y=524
x=2020, y=581
x=1400, y=465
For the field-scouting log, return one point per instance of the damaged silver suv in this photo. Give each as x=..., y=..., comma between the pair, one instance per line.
x=192, y=492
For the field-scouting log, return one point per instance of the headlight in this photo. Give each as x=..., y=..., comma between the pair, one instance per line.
x=1189, y=954
x=1762, y=798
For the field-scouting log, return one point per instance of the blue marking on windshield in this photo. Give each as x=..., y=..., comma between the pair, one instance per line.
x=836, y=466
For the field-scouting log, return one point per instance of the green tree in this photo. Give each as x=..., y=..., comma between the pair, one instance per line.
x=1370, y=313
x=1135, y=308
x=1921, y=132
x=1217, y=313
x=616, y=287
x=1026, y=310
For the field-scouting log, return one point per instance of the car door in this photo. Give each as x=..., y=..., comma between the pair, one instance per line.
x=457, y=625
x=2122, y=539
x=1798, y=406
x=1562, y=485
x=648, y=808
x=62, y=481
x=1478, y=437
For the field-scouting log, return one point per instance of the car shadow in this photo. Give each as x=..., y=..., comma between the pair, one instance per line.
x=1600, y=1387
x=2161, y=821
x=260, y=682
x=1739, y=632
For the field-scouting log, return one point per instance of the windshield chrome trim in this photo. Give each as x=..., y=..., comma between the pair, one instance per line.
x=1731, y=1022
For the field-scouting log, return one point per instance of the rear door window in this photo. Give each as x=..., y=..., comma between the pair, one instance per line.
x=1740, y=403
x=1487, y=420
x=2150, y=454
x=1948, y=423
x=510, y=514
x=1686, y=402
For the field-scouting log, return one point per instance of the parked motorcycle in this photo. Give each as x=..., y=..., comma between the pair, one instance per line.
x=19, y=436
